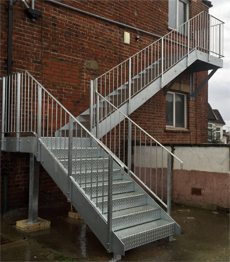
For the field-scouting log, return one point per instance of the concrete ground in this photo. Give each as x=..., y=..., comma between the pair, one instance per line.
x=205, y=237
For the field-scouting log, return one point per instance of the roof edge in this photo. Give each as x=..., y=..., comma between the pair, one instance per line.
x=208, y=3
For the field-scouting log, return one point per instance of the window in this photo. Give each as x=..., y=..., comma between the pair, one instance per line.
x=178, y=12
x=218, y=135
x=176, y=110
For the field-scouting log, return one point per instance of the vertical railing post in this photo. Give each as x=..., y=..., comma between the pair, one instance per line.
x=209, y=39
x=39, y=121
x=3, y=112
x=70, y=156
x=188, y=42
x=129, y=145
x=18, y=110
x=110, y=206
x=162, y=61
x=129, y=123
x=91, y=105
x=220, y=35
x=97, y=109
x=130, y=79
x=169, y=184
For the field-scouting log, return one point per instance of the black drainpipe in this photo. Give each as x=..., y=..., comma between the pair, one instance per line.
x=9, y=42
x=9, y=71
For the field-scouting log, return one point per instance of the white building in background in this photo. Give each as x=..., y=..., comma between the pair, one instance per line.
x=215, y=126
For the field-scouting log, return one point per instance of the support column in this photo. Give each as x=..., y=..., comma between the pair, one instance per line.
x=33, y=190
x=33, y=223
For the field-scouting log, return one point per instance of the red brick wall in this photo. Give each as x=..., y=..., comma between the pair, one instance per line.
x=55, y=50
x=153, y=114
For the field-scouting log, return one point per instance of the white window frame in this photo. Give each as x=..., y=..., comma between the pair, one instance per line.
x=177, y=12
x=174, y=111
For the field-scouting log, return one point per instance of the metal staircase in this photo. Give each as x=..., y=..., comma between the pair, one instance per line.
x=114, y=173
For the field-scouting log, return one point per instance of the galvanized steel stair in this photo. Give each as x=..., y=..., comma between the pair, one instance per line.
x=136, y=218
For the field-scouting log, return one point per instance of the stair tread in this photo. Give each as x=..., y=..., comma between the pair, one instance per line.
x=117, y=182
x=99, y=170
x=127, y=232
x=77, y=148
x=85, y=158
x=133, y=210
x=123, y=195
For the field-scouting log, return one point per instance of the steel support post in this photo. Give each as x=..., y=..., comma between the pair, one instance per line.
x=169, y=184
x=33, y=190
x=18, y=110
x=39, y=122
x=3, y=112
x=91, y=104
x=220, y=51
x=130, y=79
x=188, y=42
x=97, y=115
x=110, y=204
x=129, y=145
x=162, y=61
x=209, y=44
x=70, y=157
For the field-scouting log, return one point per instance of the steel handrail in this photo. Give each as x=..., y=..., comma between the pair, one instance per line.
x=140, y=128
x=158, y=40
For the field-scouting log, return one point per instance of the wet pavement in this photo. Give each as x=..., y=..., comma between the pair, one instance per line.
x=205, y=237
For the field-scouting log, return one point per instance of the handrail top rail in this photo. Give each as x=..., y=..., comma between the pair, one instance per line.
x=141, y=128
x=75, y=119
x=158, y=40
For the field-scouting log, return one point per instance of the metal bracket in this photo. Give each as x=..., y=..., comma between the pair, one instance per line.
x=203, y=83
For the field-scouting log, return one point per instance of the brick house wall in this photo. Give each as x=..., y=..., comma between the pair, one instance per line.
x=64, y=49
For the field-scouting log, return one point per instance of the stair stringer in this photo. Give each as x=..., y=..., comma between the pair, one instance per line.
x=94, y=219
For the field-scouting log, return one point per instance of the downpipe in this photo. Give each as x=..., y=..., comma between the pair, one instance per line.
x=9, y=71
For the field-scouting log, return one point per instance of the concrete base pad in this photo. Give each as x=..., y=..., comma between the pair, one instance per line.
x=24, y=225
x=74, y=215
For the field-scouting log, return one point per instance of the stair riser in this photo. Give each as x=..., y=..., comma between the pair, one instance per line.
x=136, y=219
x=117, y=189
x=149, y=236
x=129, y=202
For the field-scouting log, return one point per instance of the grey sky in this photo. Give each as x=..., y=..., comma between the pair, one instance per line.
x=219, y=84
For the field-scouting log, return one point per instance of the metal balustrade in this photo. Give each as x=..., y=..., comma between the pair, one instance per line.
x=203, y=32
x=145, y=159
x=28, y=109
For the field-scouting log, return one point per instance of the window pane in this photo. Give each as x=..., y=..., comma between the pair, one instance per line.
x=182, y=17
x=172, y=13
x=169, y=109
x=182, y=13
x=218, y=136
x=180, y=106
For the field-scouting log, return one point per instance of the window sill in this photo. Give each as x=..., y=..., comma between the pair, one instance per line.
x=177, y=129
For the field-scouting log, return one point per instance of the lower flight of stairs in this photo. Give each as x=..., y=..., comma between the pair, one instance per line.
x=136, y=218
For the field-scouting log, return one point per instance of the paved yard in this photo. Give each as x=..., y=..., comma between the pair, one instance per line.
x=205, y=237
